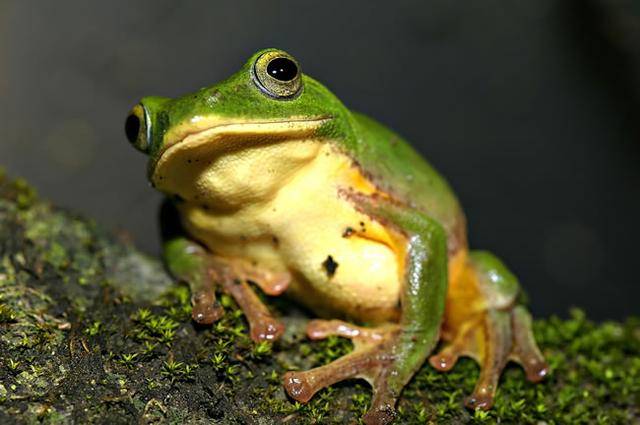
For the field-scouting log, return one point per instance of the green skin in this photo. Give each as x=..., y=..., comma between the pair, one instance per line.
x=424, y=209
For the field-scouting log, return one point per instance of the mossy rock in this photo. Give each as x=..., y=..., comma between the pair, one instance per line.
x=93, y=331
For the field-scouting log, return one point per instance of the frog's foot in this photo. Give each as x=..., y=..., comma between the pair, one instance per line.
x=370, y=360
x=233, y=280
x=205, y=310
x=493, y=338
x=190, y=262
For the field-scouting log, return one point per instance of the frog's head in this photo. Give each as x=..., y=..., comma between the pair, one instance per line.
x=229, y=130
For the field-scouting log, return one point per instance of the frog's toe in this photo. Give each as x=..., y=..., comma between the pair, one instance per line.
x=205, y=309
x=321, y=329
x=492, y=352
x=445, y=360
x=464, y=344
x=480, y=400
x=301, y=386
x=380, y=413
x=525, y=350
x=537, y=372
x=263, y=326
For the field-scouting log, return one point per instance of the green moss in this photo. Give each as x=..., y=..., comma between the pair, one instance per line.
x=594, y=370
x=7, y=314
x=92, y=331
x=25, y=194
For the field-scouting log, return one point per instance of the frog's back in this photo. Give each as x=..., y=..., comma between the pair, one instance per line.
x=396, y=168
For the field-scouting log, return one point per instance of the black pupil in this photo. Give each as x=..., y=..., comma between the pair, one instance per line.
x=282, y=69
x=132, y=127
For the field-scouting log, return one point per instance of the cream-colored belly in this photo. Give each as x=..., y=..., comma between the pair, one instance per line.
x=341, y=261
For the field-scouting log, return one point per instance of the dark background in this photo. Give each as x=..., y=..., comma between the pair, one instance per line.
x=529, y=108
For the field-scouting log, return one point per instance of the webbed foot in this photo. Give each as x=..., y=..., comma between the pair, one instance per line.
x=370, y=359
x=493, y=338
x=205, y=309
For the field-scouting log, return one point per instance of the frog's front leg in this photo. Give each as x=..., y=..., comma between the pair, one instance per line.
x=388, y=356
x=490, y=328
x=190, y=262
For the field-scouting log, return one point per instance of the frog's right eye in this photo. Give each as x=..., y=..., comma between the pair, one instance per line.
x=278, y=75
x=136, y=129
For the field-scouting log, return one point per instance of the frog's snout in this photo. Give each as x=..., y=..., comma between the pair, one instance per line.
x=135, y=127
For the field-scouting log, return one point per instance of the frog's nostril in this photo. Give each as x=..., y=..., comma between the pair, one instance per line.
x=132, y=128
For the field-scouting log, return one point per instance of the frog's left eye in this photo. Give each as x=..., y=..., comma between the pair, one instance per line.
x=278, y=75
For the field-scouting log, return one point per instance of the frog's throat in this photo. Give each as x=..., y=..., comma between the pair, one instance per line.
x=230, y=136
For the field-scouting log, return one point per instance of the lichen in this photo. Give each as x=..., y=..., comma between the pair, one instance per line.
x=92, y=331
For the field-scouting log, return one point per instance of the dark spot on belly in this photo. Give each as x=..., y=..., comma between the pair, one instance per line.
x=362, y=227
x=275, y=241
x=330, y=266
x=188, y=161
x=348, y=232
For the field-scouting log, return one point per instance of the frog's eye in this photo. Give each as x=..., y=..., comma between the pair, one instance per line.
x=278, y=75
x=135, y=128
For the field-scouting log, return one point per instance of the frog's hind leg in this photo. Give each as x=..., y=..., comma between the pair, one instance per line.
x=493, y=331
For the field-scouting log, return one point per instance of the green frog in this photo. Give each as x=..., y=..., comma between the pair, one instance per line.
x=274, y=184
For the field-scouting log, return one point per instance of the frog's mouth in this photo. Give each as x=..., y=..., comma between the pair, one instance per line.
x=229, y=136
x=189, y=149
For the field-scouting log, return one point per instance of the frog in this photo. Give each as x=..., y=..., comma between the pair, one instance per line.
x=274, y=185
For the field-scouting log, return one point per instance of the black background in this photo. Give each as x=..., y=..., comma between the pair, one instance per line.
x=529, y=108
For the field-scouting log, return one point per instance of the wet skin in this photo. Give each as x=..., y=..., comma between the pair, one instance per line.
x=271, y=179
